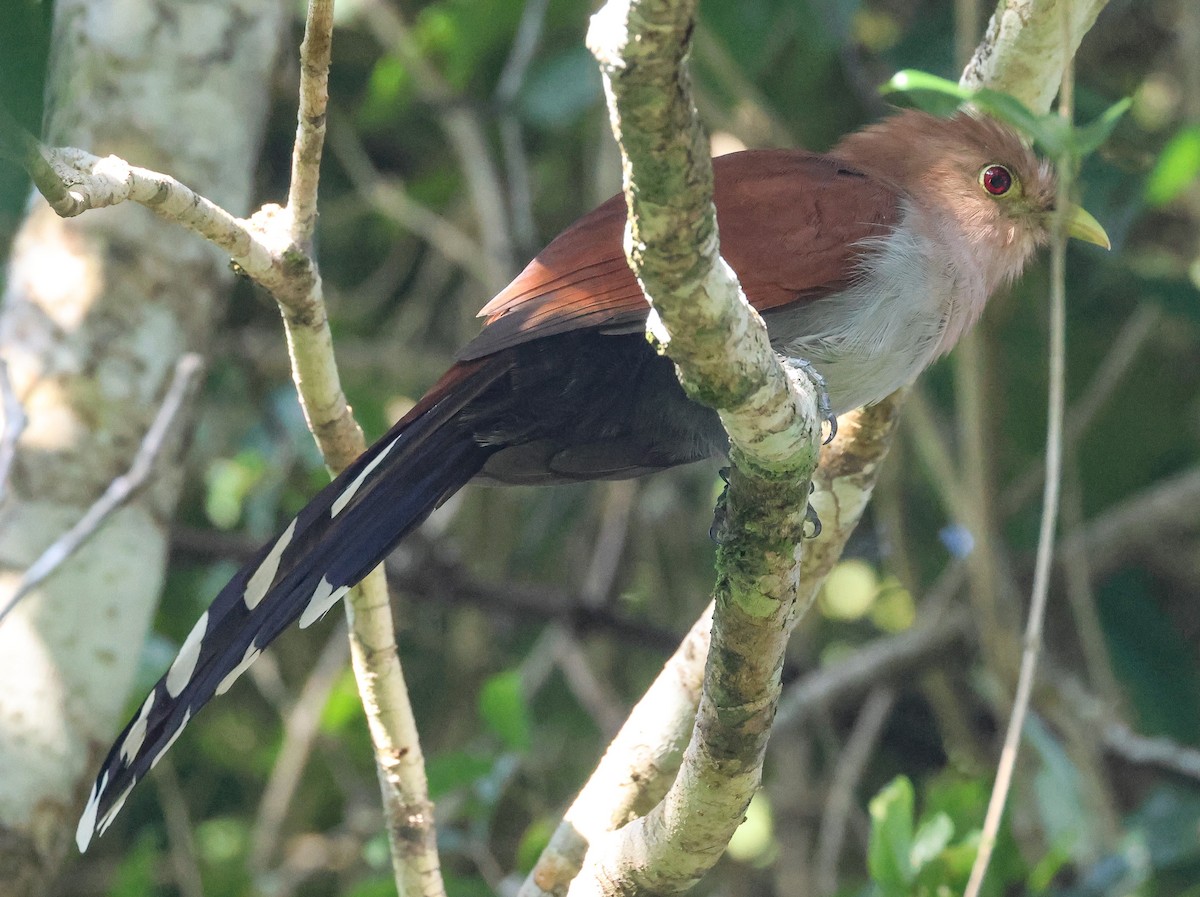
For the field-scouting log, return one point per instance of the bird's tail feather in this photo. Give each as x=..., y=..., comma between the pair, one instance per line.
x=335, y=540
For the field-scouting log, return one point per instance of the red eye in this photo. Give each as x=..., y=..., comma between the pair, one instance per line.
x=996, y=179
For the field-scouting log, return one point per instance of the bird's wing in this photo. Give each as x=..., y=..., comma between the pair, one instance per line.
x=792, y=226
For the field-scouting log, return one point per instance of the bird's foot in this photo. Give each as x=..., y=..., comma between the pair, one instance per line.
x=719, y=528
x=810, y=514
x=824, y=405
x=720, y=522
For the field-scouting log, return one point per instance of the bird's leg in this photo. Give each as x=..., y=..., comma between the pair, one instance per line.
x=824, y=405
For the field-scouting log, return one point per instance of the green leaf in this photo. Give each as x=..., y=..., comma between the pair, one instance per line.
x=456, y=769
x=343, y=706
x=1089, y=137
x=890, y=848
x=1055, y=136
x=534, y=840
x=229, y=481
x=915, y=83
x=1043, y=129
x=930, y=840
x=502, y=706
x=1177, y=167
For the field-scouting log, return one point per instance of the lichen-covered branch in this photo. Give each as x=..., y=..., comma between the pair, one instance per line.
x=724, y=359
x=1027, y=45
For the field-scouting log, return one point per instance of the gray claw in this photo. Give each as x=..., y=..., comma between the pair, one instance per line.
x=810, y=516
x=824, y=405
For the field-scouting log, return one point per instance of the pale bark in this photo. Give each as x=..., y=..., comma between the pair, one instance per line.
x=1027, y=45
x=664, y=851
x=97, y=312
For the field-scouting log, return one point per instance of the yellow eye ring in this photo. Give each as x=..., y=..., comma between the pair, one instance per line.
x=996, y=179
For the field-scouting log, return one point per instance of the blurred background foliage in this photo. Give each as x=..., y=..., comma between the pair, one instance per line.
x=463, y=135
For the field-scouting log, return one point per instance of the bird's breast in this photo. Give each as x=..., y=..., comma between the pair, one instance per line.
x=909, y=303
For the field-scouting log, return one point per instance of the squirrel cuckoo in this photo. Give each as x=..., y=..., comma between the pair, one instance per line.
x=869, y=262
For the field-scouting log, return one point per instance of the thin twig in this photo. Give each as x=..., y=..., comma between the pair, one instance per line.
x=181, y=844
x=1134, y=336
x=887, y=658
x=615, y=512
x=301, y=726
x=15, y=420
x=464, y=131
x=847, y=774
x=315, y=54
x=1041, y=577
x=1123, y=741
x=389, y=198
x=1139, y=522
x=592, y=692
x=120, y=490
x=399, y=762
x=1076, y=567
x=1165, y=753
x=512, y=142
x=22, y=147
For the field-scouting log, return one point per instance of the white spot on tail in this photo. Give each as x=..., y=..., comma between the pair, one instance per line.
x=108, y=817
x=137, y=732
x=185, y=664
x=342, y=500
x=170, y=741
x=257, y=587
x=251, y=655
x=87, y=822
x=325, y=597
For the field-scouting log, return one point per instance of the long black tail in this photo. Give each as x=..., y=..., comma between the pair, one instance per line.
x=333, y=543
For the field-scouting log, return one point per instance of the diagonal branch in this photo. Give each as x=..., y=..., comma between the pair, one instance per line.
x=724, y=358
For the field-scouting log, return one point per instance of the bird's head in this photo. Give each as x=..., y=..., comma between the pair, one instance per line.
x=980, y=179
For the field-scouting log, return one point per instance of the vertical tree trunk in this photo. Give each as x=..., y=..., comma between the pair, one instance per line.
x=97, y=310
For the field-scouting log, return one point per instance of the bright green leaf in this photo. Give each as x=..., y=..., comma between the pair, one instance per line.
x=534, y=840
x=850, y=590
x=343, y=707
x=1051, y=132
x=502, y=706
x=229, y=482
x=1042, y=875
x=891, y=842
x=753, y=841
x=930, y=840
x=1177, y=167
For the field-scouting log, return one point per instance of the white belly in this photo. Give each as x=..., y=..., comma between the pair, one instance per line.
x=869, y=340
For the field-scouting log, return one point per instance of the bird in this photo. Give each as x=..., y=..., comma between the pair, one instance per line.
x=868, y=263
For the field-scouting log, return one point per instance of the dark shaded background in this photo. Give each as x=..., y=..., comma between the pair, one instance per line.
x=530, y=620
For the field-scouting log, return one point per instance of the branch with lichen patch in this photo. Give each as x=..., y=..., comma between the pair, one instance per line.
x=724, y=359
